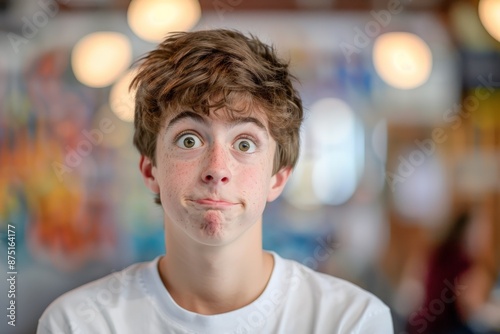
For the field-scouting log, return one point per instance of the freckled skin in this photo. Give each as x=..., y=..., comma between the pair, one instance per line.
x=214, y=169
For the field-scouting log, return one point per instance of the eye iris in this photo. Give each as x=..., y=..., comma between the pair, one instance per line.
x=189, y=142
x=244, y=146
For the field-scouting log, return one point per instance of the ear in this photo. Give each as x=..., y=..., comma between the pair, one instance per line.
x=148, y=170
x=278, y=182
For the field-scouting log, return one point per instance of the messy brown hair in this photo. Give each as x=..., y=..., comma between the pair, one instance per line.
x=210, y=70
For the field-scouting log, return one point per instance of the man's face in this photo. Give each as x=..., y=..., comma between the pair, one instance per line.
x=214, y=174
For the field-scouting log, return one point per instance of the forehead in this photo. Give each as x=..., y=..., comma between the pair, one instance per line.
x=254, y=116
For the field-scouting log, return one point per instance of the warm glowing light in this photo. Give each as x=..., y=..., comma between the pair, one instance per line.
x=403, y=60
x=489, y=13
x=121, y=100
x=98, y=59
x=151, y=20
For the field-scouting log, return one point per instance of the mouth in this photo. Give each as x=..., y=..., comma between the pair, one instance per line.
x=214, y=203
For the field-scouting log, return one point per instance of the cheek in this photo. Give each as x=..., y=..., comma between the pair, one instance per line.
x=255, y=182
x=175, y=174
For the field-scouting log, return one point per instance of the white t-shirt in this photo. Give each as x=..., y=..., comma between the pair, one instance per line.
x=296, y=300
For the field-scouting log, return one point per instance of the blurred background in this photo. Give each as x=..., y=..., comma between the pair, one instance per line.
x=398, y=184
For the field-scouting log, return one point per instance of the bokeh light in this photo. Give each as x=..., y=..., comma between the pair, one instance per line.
x=121, y=100
x=334, y=175
x=328, y=172
x=489, y=13
x=100, y=58
x=152, y=20
x=403, y=60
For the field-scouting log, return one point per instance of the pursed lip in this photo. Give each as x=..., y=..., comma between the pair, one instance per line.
x=214, y=203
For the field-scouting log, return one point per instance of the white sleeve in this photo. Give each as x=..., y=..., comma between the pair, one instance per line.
x=56, y=321
x=46, y=326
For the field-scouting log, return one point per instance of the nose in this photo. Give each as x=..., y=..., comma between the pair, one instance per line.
x=217, y=166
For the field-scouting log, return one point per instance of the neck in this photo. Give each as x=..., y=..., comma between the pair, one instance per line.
x=216, y=279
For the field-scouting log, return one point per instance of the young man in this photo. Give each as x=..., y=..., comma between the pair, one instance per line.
x=217, y=124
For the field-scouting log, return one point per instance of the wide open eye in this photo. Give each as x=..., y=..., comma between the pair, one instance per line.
x=245, y=145
x=189, y=141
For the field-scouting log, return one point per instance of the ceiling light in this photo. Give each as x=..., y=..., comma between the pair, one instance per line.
x=152, y=20
x=403, y=60
x=98, y=59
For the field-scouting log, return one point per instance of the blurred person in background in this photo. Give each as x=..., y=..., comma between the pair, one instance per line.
x=456, y=283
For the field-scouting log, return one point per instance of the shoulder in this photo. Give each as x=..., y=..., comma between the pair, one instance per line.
x=341, y=302
x=334, y=288
x=106, y=290
x=83, y=306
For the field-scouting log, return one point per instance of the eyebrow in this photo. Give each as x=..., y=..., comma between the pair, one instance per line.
x=186, y=114
x=200, y=119
x=242, y=120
